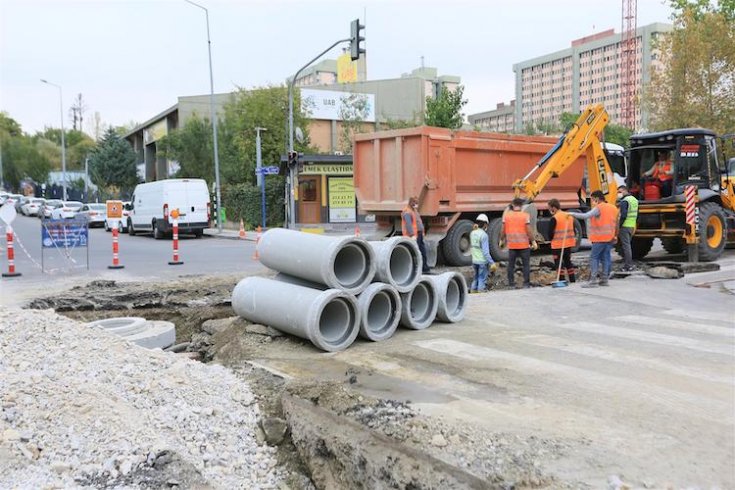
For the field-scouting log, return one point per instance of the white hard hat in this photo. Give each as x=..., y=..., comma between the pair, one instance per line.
x=482, y=217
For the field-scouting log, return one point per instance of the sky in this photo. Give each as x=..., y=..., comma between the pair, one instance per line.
x=131, y=59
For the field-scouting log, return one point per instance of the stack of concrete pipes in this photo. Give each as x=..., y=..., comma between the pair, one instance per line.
x=329, y=290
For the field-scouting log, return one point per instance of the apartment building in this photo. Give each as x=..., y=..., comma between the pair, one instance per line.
x=500, y=120
x=585, y=73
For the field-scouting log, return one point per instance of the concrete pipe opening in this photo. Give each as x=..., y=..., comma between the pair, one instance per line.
x=351, y=265
x=421, y=303
x=455, y=298
x=403, y=267
x=336, y=321
x=381, y=313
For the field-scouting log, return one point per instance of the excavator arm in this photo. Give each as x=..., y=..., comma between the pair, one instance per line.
x=582, y=139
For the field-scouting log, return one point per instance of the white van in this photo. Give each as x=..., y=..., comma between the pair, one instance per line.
x=151, y=205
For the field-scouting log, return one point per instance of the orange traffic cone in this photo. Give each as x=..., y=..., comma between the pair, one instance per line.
x=256, y=255
x=242, y=230
x=357, y=230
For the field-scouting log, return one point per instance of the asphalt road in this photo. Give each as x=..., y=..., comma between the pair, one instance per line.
x=143, y=257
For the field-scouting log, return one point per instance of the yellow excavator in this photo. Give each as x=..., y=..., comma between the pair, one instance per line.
x=698, y=161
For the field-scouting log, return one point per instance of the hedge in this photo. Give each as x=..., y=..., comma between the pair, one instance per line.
x=242, y=201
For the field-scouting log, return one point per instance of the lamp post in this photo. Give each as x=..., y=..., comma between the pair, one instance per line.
x=63, y=141
x=259, y=175
x=214, y=120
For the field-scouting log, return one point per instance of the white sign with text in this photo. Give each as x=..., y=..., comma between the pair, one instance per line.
x=338, y=106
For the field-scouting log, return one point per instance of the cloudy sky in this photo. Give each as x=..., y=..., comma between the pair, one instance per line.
x=131, y=58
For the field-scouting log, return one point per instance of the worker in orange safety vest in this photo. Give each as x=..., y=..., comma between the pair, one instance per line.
x=518, y=236
x=563, y=239
x=603, y=233
x=413, y=227
x=662, y=173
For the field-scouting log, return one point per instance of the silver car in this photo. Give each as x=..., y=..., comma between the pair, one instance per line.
x=95, y=214
x=48, y=207
x=32, y=207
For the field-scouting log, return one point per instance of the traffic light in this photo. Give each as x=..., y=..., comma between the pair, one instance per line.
x=355, y=39
x=293, y=158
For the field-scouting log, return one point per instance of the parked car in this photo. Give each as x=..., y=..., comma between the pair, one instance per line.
x=20, y=202
x=67, y=211
x=122, y=224
x=94, y=213
x=3, y=196
x=152, y=203
x=32, y=207
x=48, y=207
x=13, y=199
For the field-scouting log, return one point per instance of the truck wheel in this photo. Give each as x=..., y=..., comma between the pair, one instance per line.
x=198, y=233
x=157, y=234
x=456, y=245
x=640, y=247
x=673, y=245
x=493, y=233
x=713, y=231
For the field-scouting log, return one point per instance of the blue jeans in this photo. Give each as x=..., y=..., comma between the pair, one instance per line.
x=478, y=283
x=601, y=257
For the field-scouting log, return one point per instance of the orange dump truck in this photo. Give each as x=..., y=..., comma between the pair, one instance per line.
x=455, y=175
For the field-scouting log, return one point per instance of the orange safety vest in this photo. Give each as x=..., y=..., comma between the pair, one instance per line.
x=661, y=169
x=416, y=219
x=563, y=231
x=602, y=228
x=514, y=225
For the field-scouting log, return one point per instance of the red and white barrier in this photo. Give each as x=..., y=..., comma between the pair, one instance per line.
x=176, y=260
x=11, y=254
x=256, y=255
x=690, y=193
x=115, y=249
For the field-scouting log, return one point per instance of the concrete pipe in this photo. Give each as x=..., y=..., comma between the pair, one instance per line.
x=398, y=263
x=379, y=307
x=419, y=306
x=329, y=319
x=346, y=263
x=451, y=291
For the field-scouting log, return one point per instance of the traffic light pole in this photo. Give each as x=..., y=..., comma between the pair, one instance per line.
x=292, y=170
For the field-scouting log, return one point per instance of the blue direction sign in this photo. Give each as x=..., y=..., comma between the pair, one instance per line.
x=267, y=170
x=64, y=233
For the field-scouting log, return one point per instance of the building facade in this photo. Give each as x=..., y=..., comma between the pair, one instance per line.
x=500, y=120
x=588, y=72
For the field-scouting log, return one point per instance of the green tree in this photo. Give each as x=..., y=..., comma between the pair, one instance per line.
x=620, y=135
x=445, y=111
x=353, y=112
x=695, y=85
x=191, y=146
x=20, y=154
x=112, y=164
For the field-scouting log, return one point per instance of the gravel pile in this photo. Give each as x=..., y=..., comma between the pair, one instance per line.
x=81, y=408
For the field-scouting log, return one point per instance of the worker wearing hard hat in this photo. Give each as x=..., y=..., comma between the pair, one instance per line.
x=481, y=259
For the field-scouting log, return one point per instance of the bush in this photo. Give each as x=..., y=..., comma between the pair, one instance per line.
x=242, y=202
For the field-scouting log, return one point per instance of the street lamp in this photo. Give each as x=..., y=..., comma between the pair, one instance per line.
x=214, y=120
x=63, y=141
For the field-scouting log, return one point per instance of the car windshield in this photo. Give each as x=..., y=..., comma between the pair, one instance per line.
x=53, y=202
x=97, y=207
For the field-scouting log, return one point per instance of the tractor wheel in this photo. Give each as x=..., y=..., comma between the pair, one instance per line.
x=713, y=231
x=640, y=247
x=673, y=245
x=456, y=245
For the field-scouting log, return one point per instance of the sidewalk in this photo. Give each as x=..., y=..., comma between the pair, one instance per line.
x=367, y=230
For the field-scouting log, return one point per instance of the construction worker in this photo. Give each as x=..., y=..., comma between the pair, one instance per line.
x=563, y=239
x=518, y=236
x=602, y=232
x=628, y=206
x=413, y=227
x=662, y=173
x=481, y=259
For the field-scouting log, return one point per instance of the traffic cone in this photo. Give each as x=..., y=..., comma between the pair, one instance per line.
x=242, y=230
x=256, y=255
x=357, y=230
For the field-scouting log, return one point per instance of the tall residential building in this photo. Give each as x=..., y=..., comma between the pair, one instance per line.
x=587, y=72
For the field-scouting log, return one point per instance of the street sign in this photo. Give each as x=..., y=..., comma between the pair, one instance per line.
x=267, y=170
x=114, y=209
x=64, y=233
x=8, y=213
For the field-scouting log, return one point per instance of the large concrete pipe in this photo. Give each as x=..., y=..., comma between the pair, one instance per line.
x=346, y=263
x=379, y=308
x=451, y=290
x=329, y=319
x=398, y=263
x=419, y=305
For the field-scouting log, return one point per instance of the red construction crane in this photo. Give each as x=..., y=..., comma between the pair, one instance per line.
x=629, y=76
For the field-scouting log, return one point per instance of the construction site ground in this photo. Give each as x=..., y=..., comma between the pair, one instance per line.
x=627, y=385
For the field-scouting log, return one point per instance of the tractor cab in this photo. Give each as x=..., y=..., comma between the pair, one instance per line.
x=663, y=164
